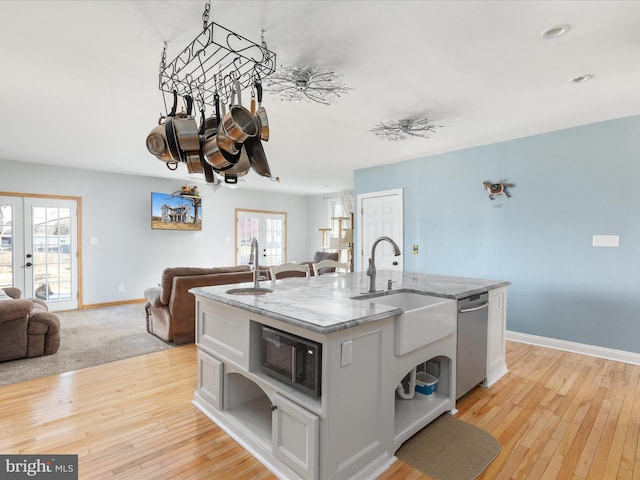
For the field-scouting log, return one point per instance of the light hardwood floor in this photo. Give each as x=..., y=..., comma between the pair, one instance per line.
x=556, y=415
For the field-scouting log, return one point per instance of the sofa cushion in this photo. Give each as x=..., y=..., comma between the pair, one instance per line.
x=13, y=309
x=325, y=256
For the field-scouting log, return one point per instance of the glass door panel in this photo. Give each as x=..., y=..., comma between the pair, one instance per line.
x=270, y=230
x=247, y=229
x=7, y=275
x=51, y=259
x=274, y=241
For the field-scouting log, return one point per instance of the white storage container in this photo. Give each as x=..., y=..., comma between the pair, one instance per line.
x=426, y=384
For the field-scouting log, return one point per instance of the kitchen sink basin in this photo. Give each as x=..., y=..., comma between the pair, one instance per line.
x=426, y=319
x=249, y=291
x=406, y=300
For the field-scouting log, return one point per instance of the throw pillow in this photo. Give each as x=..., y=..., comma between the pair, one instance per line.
x=4, y=296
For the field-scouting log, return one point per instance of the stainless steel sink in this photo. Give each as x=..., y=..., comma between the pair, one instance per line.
x=249, y=291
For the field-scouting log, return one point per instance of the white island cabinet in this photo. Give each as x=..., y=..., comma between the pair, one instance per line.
x=352, y=430
x=496, y=336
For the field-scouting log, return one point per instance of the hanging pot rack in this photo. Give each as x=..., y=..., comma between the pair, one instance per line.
x=212, y=63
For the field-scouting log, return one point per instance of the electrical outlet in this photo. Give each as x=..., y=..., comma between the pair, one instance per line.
x=120, y=288
x=347, y=352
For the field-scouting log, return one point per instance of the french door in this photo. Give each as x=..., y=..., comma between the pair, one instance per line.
x=270, y=228
x=381, y=214
x=38, y=248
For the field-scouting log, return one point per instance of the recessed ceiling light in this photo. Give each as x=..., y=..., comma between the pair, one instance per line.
x=582, y=79
x=555, y=32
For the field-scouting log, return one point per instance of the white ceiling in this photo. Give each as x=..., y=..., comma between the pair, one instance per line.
x=80, y=79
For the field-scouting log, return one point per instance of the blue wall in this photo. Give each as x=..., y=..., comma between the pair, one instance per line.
x=570, y=185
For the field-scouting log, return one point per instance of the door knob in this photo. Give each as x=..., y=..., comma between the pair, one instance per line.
x=29, y=264
x=395, y=263
x=28, y=255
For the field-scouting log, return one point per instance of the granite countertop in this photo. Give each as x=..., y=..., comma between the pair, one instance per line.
x=333, y=302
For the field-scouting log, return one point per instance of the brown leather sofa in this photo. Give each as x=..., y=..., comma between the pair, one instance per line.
x=171, y=309
x=27, y=328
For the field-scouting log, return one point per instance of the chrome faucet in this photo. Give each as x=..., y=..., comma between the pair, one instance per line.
x=253, y=259
x=371, y=271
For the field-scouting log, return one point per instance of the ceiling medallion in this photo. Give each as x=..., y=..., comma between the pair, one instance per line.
x=310, y=83
x=405, y=128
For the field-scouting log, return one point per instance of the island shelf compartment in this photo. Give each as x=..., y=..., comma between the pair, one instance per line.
x=413, y=414
x=264, y=420
x=249, y=406
x=279, y=425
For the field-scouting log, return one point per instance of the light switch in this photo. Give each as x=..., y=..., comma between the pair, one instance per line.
x=606, y=241
x=347, y=351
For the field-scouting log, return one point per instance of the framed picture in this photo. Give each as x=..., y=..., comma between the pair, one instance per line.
x=175, y=212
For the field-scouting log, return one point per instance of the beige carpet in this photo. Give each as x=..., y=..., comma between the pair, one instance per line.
x=87, y=338
x=450, y=449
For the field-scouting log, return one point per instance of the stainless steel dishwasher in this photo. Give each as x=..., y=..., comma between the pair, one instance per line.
x=473, y=322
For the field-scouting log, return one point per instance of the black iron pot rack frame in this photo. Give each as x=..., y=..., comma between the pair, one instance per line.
x=213, y=62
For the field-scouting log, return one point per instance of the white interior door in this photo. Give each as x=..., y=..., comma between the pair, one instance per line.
x=38, y=251
x=380, y=215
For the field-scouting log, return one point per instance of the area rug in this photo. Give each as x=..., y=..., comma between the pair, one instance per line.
x=450, y=449
x=87, y=338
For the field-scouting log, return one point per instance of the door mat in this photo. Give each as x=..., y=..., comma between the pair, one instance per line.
x=450, y=449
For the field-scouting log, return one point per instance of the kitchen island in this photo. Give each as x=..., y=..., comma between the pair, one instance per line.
x=369, y=344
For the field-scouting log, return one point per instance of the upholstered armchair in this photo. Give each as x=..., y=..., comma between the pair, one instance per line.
x=319, y=256
x=27, y=328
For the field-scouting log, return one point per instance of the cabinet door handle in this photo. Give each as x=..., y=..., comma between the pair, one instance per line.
x=274, y=407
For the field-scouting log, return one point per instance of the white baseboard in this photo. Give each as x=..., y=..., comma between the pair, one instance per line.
x=584, y=349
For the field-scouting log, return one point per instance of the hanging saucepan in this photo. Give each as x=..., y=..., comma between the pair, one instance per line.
x=220, y=151
x=254, y=149
x=157, y=143
x=186, y=128
x=170, y=133
x=209, y=128
x=239, y=123
x=238, y=170
x=188, y=138
x=204, y=125
x=230, y=148
x=192, y=160
x=261, y=114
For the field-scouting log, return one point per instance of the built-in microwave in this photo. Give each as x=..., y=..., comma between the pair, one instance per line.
x=292, y=359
